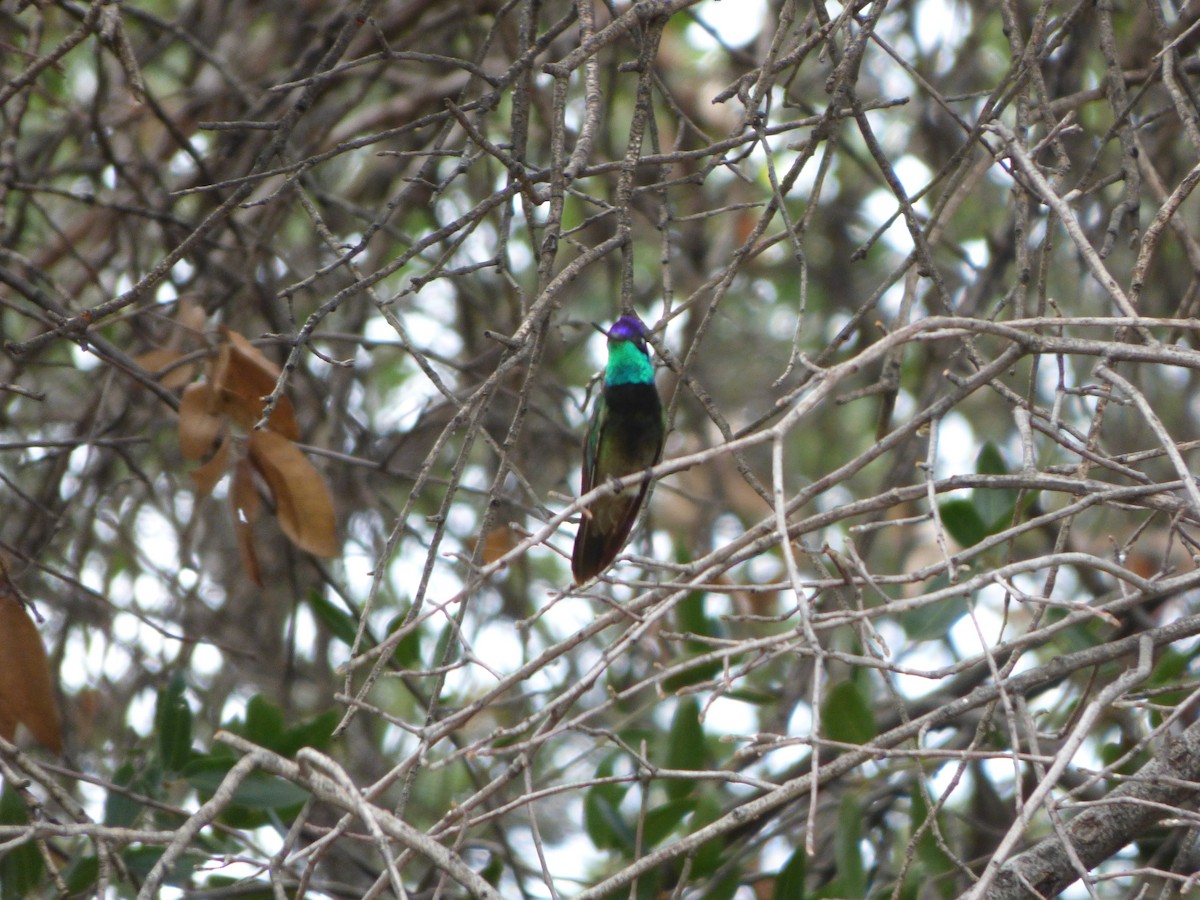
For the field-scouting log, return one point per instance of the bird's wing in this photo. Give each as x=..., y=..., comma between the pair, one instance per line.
x=591, y=443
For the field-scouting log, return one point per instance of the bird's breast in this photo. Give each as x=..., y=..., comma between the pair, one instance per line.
x=633, y=432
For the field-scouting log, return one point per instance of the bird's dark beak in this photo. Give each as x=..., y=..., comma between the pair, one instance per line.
x=599, y=329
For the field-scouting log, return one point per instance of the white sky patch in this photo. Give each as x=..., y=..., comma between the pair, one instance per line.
x=572, y=858
x=569, y=615
x=207, y=660
x=306, y=630
x=957, y=447
x=359, y=567
x=941, y=23
x=405, y=573
x=84, y=360
x=83, y=84
x=736, y=21
x=925, y=656
x=141, y=711
x=183, y=271
x=726, y=716
x=520, y=258
x=182, y=164
x=988, y=622
x=166, y=292
x=425, y=330
x=597, y=347
x=497, y=646
x=800, y=723
x=976, y=252
x=401, y=410
x=914, y=176
x=881, y=205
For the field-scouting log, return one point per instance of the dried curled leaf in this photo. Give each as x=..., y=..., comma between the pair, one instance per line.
x=302, y=500
x=26, y=692
x=164, y=362
x=207, y=475
x=241, y=377
x=198, y=427
x=246, y=506
x=497, y=542
x=161, y=364
x=190, y=316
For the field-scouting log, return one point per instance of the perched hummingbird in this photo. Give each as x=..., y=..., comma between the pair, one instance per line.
x=625, y=436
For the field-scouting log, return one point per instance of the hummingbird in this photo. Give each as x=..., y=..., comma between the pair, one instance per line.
x=625, y=436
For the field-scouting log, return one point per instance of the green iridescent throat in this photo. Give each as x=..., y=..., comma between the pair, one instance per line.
x=627, y=365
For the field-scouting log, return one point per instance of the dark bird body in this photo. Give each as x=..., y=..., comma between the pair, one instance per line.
x=625, y=436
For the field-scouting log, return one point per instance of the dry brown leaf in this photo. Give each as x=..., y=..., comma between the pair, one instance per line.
x=251, y=354
x=8, y=723
x=198, y=427
x=239, y=377
x=498, y=542
x=302, y=501
x=242, y=376
x=246, y=506
x=161, y=362
x=246, y=503
x=207, y=475
x=191, y=316
x=26, y=693
x=154, y=361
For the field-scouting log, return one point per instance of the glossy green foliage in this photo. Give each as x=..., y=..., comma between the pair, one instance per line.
x=21, y=867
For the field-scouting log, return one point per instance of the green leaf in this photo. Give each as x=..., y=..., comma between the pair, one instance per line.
x=995, y=507
x=686, y=747
x=727, y=887
x=139, y=860
x=264, y=725
x=1168, y=669
x=173, y=724
x=846, y=716
x=790, y=883
x=1110, y=752
x=932, y=621
x=227, y=885
x=963, y=522
x=664, y=819
x=339, y=622
x=258, y=792
x=21, y=868
x=264, y=722
x=709, y=856
x=990, y=461
x=692, y=619
x=316, y=732
x=602, y=818
x=605, y=824
x=121, y=810
x=933, y=860
x=407, y=654
x=494, y=870
x=847, y=848
x=753, y=696
x=442, y=653
x=81, y=874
